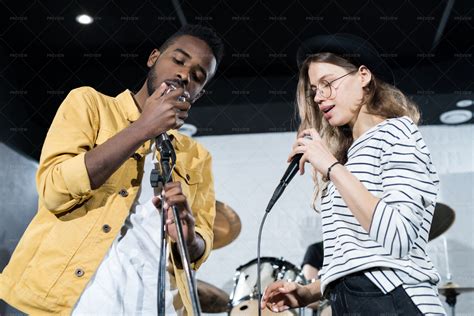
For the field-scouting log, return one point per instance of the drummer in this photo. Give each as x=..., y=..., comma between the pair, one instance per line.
x=312, y=263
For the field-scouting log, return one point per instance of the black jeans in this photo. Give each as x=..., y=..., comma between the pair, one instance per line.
x=356, y=295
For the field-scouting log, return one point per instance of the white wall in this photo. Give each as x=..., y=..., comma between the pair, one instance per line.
x=248, y=167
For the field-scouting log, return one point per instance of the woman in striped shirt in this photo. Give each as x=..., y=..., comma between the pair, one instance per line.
x=375, y=181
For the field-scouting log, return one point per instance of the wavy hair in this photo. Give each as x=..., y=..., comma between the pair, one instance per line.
x=380, y=98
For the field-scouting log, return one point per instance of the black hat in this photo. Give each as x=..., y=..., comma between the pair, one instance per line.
x=353, y=48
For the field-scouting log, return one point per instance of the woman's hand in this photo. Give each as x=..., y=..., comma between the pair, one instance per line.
x=281, y=295
x=310, y=144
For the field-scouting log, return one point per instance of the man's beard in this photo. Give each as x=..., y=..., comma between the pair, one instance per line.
x=152, y=85
x=151, y=81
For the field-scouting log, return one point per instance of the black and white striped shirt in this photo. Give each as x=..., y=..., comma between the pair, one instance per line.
x=394, y=164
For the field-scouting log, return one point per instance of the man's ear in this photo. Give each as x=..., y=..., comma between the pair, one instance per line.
x=153, y=57
x=365, y=75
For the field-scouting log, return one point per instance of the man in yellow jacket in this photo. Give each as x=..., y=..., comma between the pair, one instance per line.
x=93, y=246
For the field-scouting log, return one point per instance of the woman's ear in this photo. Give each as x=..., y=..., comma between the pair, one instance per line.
x=365, y=75
x=153, y=57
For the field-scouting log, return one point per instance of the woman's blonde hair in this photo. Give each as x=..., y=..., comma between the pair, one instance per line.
x=381, y=99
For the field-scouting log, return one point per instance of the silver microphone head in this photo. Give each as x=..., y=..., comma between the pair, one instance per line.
x=161, y=140
x=173, y=84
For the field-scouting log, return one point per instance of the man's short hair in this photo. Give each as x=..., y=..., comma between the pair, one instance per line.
x=204, y=33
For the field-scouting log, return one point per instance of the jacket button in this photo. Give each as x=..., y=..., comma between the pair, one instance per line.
x=188, y=177
x=79, y=272
x=106, y=228
x=123, y=193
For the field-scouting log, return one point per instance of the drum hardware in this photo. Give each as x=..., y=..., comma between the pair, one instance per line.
x=243, y=299
x=451, y=290
x=227, y=225
x=443, y=218
x=211, y=298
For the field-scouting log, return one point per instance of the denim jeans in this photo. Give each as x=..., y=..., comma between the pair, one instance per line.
x=356, y=295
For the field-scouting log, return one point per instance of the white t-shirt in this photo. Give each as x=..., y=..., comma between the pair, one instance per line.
x=126, y=281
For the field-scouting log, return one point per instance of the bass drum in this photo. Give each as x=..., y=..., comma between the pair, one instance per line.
x=243, y=299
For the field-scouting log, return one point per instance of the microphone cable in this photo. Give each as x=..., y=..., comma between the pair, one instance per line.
x=285, y=180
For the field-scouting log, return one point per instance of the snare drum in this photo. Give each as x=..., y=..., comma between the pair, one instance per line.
x=243, y=299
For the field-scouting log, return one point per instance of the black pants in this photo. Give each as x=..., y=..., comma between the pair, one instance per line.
x=355, y=295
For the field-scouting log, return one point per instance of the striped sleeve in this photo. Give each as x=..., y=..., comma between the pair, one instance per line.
x=409, y=187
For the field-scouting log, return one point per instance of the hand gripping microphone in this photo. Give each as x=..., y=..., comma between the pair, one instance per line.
x=162, y=141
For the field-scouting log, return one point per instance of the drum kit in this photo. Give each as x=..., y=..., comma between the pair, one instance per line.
x=243, y=298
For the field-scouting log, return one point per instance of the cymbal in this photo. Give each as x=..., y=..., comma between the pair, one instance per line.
x=451, y=288
x=211, y=298
x=443, y=218
x=227, y=225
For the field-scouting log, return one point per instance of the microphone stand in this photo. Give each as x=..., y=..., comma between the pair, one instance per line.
x=158, y=180
x=285, y=180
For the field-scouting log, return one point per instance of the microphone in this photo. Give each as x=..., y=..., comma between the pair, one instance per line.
x=164, y=145
x=285, y=180
x=162, y=141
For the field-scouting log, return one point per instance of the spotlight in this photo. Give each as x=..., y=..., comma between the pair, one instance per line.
x=464, y=103
x=84, y=19
x=455, y=116
x=188, y=129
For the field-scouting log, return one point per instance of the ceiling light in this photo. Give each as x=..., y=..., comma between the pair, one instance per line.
x=188, y=129
x=456, y=116
x=464, y=103
x=84, y=19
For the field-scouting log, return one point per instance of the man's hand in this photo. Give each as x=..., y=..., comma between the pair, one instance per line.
x=173, y=196
x=162, y=112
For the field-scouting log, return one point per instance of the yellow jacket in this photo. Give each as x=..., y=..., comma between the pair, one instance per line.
x=75, y=226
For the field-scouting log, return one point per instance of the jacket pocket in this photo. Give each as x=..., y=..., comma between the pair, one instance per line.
x=190, y=179
x=55, y=251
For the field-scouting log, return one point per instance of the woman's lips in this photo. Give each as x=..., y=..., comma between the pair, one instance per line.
x=327, y=111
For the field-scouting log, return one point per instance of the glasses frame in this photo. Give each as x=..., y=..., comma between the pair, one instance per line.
x=318, y=90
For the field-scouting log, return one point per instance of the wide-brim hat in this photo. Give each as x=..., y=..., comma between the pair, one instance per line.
x=351, y=47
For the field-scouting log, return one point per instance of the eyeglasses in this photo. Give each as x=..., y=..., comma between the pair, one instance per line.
x=325, y=89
